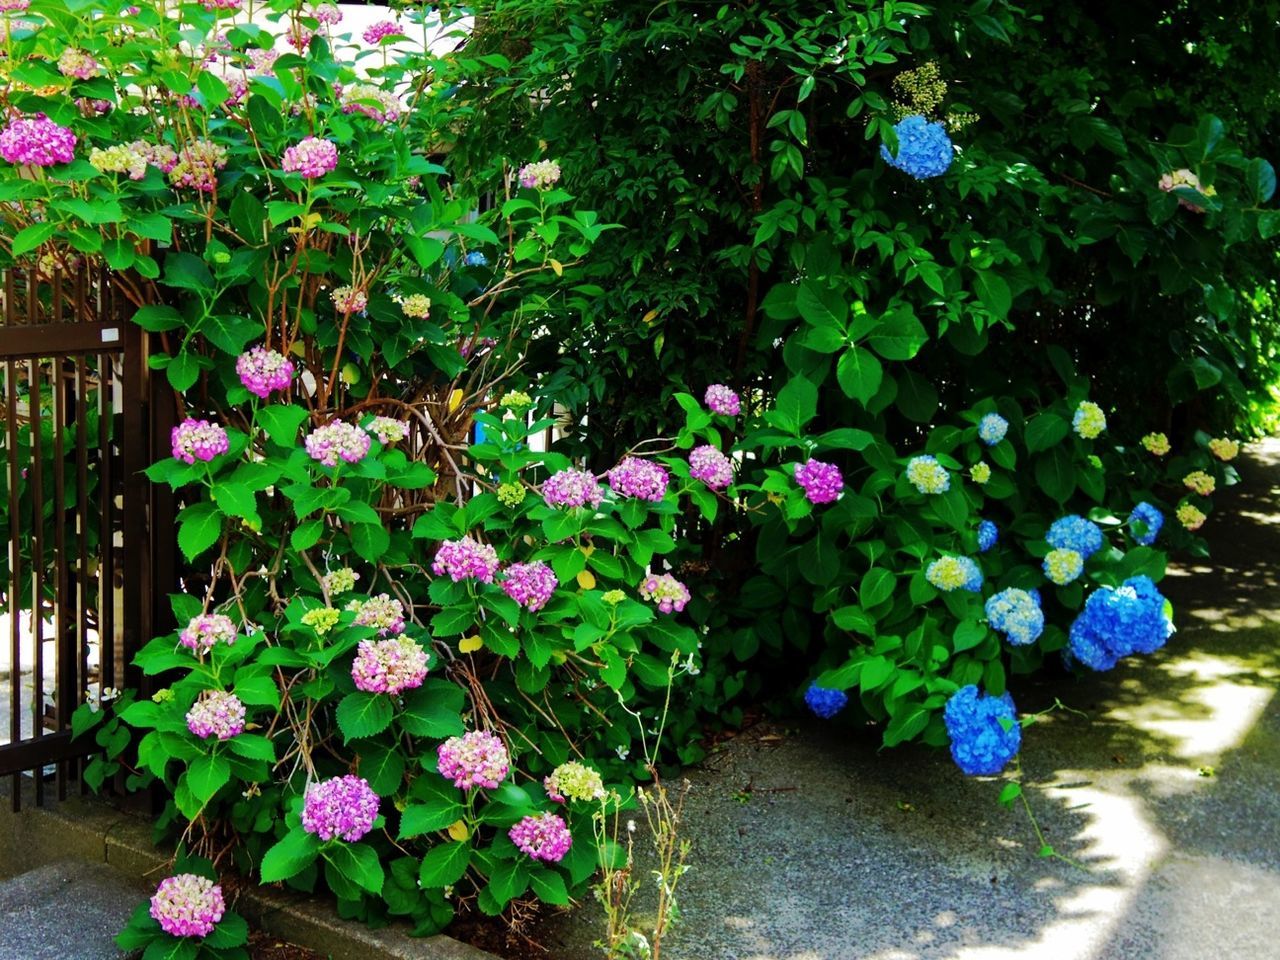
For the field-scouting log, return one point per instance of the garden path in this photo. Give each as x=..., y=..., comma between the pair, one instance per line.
x=810, y=845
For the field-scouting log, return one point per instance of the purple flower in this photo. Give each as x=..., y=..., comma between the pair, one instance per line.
x=639, y=478
x=466, y=559
x=544, y=837
x=383, y=28
x=572, y=488
x=327, y=13
x=720, y=399
x=206, y=631
x=389, y=666
x=821, y=481
x=262, y=371
x=530, y=584
x=338, y=440
x=475, y=759
x=187, y=905
x=340, y=807
x=216, y=714
x=37, y=142
x=669, y=593
x=313, y=157
x=194, y=440
x=541, y=175
x=712, y=467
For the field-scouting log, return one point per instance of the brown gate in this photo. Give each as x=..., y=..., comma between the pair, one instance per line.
x=77, y=430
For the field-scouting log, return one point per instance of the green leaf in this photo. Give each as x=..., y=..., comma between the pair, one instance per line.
x=444, y=864
x=549, y=887
x=183, y=371
x=361, y=714
x=420, y=818
x=292, y=854
x=434, y=710
x=899, y=335
x=206, y=775
x=199, y=527
x=796, y=405
x=257, y=690
x=383, y=767
x=186, y=271
x=357, y=862
x=821, y=306
x=281, y=421
x=306, y=535
x=212, y=88
x=859, y=374
x=993, y=292
x=157, y=319
x=875, y=671
x=1045, y=430
x=251, y=746
x=229, y=334
x=1009, y=793
x=31, y=237
x=968, y=635
x=369, y=540
x=876, y=587
x=232, y=931
x=235, y=500
x=1055, y=474
x=1261, y=178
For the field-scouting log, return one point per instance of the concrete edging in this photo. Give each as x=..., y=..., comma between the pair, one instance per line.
x=89, y=830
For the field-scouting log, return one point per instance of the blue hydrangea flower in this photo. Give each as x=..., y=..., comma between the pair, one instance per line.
x=955, y=573
x=992, y=428
x=984, y=730
x=475, y=259
x=988, y=535
x=1017, y=614
x=1062, y=566
x=1119, y=621
x=924, y=149
x=824, y=701
x=1151, y=518
x=1074, y=532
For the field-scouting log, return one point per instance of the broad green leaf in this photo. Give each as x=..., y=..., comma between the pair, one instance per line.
x=361, y=714
x=292, y=854
x=444, y=864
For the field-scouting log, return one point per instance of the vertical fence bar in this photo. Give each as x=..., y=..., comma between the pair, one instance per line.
x=81, y=672
x=36, y=486
x=58, y=392
x=15, y=561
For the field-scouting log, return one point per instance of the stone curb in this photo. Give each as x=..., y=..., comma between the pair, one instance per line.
x=89, y=830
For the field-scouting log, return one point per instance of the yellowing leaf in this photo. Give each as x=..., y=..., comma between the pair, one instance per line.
x=586, y=580
x=459, y=831
x=298, y=348
x=649, y=317
x=455, y=400
x=470, y=644
x=557, y=267
x=350, y=373
x=587, y=549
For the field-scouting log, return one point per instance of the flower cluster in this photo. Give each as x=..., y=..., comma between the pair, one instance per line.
x=416, y=305
x=160, y=155
x=263, y=371
x=1017, y=614
x=475, y=759
x=992, y=429
x=572, y=488
x=954, y=573
x=1074, y=532
x=1150, y=518
x=475, y=259
x=349, y=300
x=194, y=440
x=980, y=472
x=530, y=584
x=669, y=593
x=381, y=29
x=187, y=905
x=37, y=142
x=382, y=612
x=1089, y=420
x=722, y=400
x=515, y=400
x=327, y=14
x=927, y=475
x=824, y=701
x=321, y=619
x=924, y=149
x=388, y=430
x=207, y=630
x=77, y=64
x=336, y=441
x=542, y=175
x=313, y=157
x=465, y=559
x=389, y=666
x=822, y=482
x=1225, y=450
x=511, y=494
x=216, y=714
x=639, y=478
x=1119, y=621
x=197, y=166
x=1190, y=516
x=988, y=536
x=370, y=101
x=1063, y=565
x=340, y=807
x=712, y=467
x=1186, y=179
x=984, y=731
x=340, y=580
x=120, y=158
x=1156, y=443
x=574, y=781
x=543, y=837
x=1200, y=482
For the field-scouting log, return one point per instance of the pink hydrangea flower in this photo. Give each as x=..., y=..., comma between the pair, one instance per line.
x=530, y=584
x=466, y=559
x=475, y=759
x=159, y=155
x=340, y=807
x=572, y=488
x=720, y=399
x=388, y=430
x=197, y=166
x=541, y=175
x=14, y=6
x=216, y=714
x=212, y=5
x=202, y=633
x=77, y=64
x=669, y=593
x=639, y=478
x=337, y=440
x=389, y=666
x=194, y=440
x=263, y=61
x=383, y=28
x=37, y=142
x=382, y=612
x=368, y=100
x=712, y=467
x=349, y=300
x=313, y=157
x=187, y=905
x=263, y=371
x=822, y=482
x=543, y=837
x=326, y=13
x=92, y=108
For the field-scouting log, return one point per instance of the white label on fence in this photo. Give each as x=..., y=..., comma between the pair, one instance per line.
x=110, y=335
